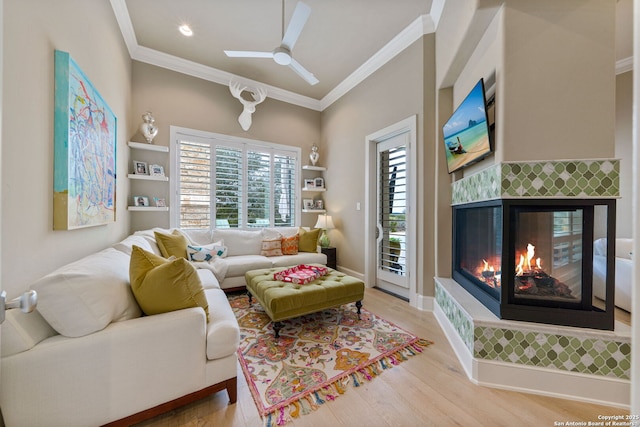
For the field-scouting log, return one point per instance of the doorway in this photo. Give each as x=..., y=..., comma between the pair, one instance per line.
x=390, y=220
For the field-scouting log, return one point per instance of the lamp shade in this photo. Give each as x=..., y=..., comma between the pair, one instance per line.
x=324, y=221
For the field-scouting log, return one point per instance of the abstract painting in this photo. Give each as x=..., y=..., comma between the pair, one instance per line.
x=84, y=182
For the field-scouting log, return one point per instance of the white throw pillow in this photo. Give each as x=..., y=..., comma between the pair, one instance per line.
x=85, y=296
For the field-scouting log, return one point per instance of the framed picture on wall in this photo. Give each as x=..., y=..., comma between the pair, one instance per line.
x=156, y=170
x=140, y=168
x=308, y=204
x=84, y=140
x=140, y=201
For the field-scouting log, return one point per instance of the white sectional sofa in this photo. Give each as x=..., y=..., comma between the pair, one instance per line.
x=623, y=266
x=89, y=357
x=244, y=251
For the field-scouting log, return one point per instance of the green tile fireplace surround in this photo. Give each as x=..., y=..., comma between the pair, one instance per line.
x=570, y=362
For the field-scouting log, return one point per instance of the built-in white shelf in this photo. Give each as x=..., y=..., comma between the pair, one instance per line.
x=149, y=208
x=148, y=177
x=314, y=210
x=313, y=189
x=314, y=168
x=148, y=147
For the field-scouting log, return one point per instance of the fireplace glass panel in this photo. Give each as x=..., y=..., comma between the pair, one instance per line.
x=480, y=246
x=548, y=255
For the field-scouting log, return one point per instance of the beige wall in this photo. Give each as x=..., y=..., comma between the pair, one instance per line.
x=32, y=30
x=624, y=151
x=388, y=96
x=557, y=96
x=179, y=100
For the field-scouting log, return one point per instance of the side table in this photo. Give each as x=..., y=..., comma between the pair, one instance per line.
x=330, y=252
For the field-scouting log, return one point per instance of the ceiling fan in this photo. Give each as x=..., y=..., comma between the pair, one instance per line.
x=282, y=54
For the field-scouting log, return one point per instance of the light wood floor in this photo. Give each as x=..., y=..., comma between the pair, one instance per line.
x=427, y=390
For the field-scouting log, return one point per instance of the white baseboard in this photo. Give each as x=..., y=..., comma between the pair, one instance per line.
x=351, y=273
x=424, y=303
x=530, y=379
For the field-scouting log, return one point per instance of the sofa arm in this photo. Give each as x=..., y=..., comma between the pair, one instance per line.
x=127, y=367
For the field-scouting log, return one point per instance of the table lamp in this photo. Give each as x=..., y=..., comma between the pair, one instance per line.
x=324, y=222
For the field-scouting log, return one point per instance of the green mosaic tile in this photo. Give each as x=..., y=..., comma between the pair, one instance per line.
x=484, y=185
x=574, y=354
x=567, y=179
x=458, y=318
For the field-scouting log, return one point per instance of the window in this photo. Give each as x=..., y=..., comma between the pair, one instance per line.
x=567, y=241
x=225, y=181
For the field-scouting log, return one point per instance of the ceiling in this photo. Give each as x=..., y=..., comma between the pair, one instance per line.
x=341, y=43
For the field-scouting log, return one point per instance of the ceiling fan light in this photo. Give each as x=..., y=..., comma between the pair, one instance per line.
x=281, y=56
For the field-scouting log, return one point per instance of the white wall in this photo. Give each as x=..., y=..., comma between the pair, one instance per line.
x=32, y=31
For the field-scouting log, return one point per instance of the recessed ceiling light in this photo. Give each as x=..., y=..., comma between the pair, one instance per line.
x=185, y=30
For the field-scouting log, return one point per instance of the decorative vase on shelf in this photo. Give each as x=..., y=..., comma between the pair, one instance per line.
x=314, y=156
x=148, y=128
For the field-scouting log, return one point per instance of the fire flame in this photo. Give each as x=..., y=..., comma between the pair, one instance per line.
x=487, y=267
x=525, y=266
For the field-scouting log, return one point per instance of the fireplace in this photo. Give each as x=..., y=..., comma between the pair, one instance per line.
x=532, y=259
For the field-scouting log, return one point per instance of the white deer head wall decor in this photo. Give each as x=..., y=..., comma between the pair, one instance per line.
x=258, y=93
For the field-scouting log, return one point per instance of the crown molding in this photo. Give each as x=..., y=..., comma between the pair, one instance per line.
x=624, y=65
x=421, y=26
x=418, y=28
x=181, y=65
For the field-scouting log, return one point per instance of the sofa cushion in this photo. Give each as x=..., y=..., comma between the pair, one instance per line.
x=271, y=233
x=290, y=245
x=308, y=240
x=85, y=296
x=126, y=244
x=238, y=265
x=22, y=331
x=271, y=247
x=239, y=242
x=174, y=244
x=223, y=333
x=208, y=279
x=197, y=236
x=161, y=285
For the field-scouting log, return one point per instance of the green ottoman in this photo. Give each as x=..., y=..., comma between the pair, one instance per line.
x=283, y=300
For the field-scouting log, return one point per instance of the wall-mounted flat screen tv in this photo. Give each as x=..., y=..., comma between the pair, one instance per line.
x=466, y=133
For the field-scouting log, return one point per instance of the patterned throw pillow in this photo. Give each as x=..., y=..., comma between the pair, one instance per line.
x=271, y=248
x=290, y=245
x=206, y=252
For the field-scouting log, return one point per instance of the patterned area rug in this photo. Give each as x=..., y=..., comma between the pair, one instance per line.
x=316, y=357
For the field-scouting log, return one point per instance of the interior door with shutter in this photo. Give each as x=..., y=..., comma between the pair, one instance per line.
x=392, y=196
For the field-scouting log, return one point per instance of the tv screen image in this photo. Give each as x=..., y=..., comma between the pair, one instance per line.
x=466, y=133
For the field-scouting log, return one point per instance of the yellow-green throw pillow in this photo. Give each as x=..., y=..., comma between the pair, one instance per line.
x=161, y=285
x=174, y=244
x=308, y=240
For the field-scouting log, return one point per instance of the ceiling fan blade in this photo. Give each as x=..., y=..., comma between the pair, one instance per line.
x=303, y=72
x=248, y=54
x=296, y=24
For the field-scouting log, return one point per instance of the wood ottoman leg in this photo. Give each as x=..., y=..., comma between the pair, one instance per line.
x=276, y=328
x=249, y=295
x=358, y=306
